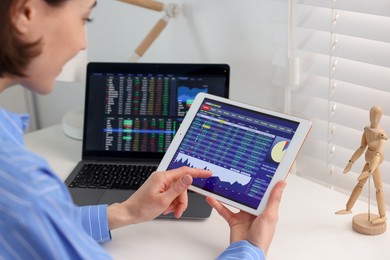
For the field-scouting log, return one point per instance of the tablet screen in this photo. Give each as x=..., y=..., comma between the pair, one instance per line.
x=242, y=148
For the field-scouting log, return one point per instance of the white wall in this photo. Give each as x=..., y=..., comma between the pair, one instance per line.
x=219, y=31
x=65, y=97
x=235, y=32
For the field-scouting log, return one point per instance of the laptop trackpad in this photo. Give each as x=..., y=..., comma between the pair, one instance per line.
x=114, y=196
x=83, y=197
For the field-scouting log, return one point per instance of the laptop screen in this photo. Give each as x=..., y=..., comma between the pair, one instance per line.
x=133, y=110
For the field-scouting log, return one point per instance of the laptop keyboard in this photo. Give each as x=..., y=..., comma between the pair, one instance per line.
x=111, y=176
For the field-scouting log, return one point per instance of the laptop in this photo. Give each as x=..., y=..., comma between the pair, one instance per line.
x=132, y=112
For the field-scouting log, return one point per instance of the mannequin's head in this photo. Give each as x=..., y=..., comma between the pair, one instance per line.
x=375, y=116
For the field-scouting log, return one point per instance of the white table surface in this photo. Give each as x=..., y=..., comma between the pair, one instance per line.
x=307, y=229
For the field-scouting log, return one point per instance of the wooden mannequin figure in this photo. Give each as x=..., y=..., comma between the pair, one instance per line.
x=374, y=139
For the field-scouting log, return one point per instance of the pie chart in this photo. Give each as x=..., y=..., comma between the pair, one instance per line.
x=279, y=150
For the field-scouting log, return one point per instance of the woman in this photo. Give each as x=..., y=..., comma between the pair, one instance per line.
x=39, y=219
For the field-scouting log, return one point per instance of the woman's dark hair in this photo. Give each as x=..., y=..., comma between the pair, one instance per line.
x=15, y=54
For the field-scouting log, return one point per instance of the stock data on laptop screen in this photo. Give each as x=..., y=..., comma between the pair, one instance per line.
x=141, y=112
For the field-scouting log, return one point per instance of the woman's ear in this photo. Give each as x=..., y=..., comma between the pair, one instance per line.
x=23, y=15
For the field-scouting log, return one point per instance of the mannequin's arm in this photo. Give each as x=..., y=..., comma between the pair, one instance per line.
x=357, y=154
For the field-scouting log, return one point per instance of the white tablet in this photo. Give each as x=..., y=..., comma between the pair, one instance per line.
x=247, y=148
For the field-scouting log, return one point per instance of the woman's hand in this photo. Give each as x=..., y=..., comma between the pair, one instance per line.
x=162, y=193
x=257, y=230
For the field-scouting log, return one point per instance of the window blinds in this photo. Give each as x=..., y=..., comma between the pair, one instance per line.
x=343, y=49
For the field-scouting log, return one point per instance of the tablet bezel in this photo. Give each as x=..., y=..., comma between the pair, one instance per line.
x=282, y=169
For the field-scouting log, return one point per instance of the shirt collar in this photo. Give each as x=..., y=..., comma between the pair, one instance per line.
x=12, y=125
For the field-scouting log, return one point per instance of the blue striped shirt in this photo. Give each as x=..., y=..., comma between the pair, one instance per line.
x=242, y=250
x=38, y=218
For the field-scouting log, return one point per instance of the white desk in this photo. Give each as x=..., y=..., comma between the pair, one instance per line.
x=307, y=229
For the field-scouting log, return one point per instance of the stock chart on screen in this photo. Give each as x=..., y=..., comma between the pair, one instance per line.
x=242, y=148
